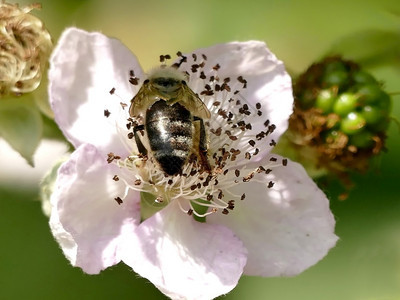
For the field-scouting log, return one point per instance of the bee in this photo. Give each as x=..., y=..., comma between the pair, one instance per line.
x=172, y=126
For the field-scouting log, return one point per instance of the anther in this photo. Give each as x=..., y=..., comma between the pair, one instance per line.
x=111, y=156
x=248, y=177
x=242, y=80
x=271, y=128
x=163, y=58
x=231, y=204
x=134, y=80
x=216, y=67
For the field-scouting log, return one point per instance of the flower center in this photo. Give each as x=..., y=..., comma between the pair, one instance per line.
x=237, y=136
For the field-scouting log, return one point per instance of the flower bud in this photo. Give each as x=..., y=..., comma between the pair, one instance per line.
x=25, y=45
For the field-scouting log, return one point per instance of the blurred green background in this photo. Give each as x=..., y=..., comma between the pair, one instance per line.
x=366, y=262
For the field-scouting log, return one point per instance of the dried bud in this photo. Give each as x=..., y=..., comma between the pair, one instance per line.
x=25, y=46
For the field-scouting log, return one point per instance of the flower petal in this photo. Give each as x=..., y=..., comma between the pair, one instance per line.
x=184, y=258
x=268, y=83
x=286, y=228
x=86, y=220
x=84, y=68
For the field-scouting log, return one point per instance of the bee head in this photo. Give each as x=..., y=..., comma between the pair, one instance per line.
x=166, y=80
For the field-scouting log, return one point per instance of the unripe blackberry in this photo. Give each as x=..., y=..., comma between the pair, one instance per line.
x=341, y=116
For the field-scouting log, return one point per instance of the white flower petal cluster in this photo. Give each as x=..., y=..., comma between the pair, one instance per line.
x=265, y=216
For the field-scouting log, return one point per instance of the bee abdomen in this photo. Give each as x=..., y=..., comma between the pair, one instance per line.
x=169, y=129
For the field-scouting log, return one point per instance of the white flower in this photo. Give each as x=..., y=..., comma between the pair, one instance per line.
x=279, y=222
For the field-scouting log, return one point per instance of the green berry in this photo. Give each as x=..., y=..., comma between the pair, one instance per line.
x=335, y=65
x=370, y=94
x=335, y=78
x=381, y=126
x=361, y=77
x=353, y=123
x=307, y=99
x=372, y=114
x=363, y=139
x=332, y=136
x=345, y=104
x=325, y=101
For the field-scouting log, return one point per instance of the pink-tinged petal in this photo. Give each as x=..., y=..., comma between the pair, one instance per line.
x=84, y=68
x=268, y=83
x=286, y=228
x=185, y=259
x=86, y=220
x=64, y=238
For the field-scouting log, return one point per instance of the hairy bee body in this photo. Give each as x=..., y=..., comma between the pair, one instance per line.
x=170, y=132
x=173, y=121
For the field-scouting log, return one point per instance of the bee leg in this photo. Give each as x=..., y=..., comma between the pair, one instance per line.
x=141, y=148
x=201, y=137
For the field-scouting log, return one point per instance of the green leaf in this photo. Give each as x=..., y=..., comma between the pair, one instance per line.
x=51, y=130
x=370, y=48
x=42, y=98
x=21, y=125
